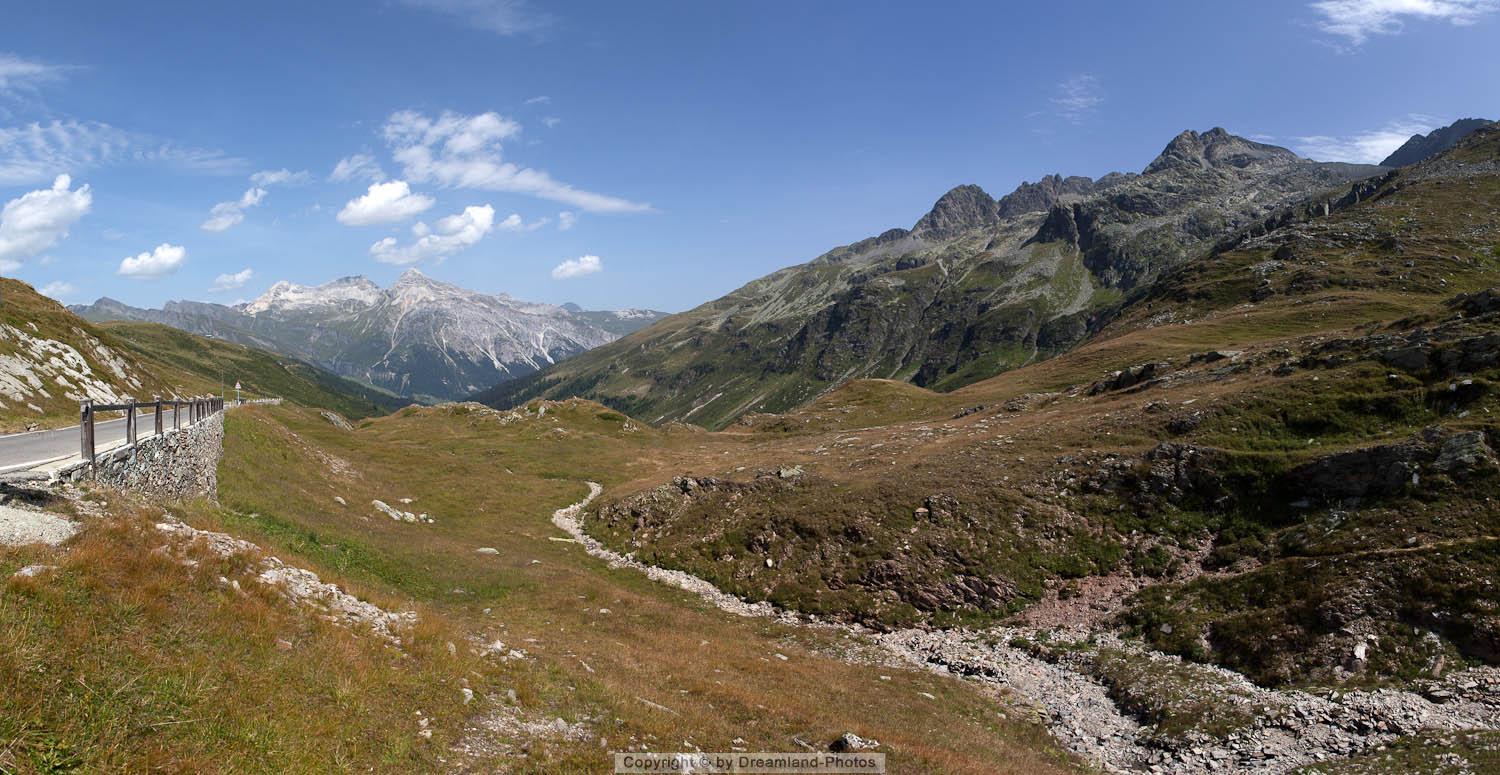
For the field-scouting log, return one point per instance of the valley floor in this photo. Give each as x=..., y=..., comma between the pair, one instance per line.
x=117, y=655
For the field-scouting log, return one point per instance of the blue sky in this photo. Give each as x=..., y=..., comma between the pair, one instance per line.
x=639, y=154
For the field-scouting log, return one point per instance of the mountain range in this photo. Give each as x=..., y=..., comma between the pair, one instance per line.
x=975, y=287
x=420, y=338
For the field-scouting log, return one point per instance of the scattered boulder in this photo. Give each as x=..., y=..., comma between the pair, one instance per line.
x=337, y=420
x=850, y=742
x=1478, y=303
x=1410, y=359
x=399, y=515
x=1214, y=356
x=1464, y=454
x=1131, y=377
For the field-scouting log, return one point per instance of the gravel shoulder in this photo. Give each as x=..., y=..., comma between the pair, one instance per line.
x=19, y=527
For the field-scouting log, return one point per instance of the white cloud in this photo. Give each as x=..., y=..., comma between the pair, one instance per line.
x=226, y=214
x=1357, y=20
x=1077, y=98
x=466, y=152
x=577, y=267
x=360, y=166
x=58, y=290
x=281, y=177
x=1367, y=147
x=514, y=222
x=17, y=74
x=444, y=238
x=538, y=100
x=384, y=203
x=229, y=282
x=551, y=121
x=566, y=219
x=35, y=152
x=163, y=260
x=35, y=221
x=504, y=17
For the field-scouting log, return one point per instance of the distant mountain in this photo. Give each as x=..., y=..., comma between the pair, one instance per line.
x=50, y=359
x=1423, y=147
x=420, y=338
x=976, y=287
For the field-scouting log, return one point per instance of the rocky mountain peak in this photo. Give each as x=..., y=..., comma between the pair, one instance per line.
x=1421, y=147
x=1042, y=195
x=961, y=209
x=413, y=276
x=1215, y=148
x=287, y=296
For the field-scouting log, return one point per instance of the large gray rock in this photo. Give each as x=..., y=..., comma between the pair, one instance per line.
x=1465, y=454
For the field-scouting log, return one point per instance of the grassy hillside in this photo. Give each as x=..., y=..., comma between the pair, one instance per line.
x=209, y=364
x=126, y=658
x=648, y=664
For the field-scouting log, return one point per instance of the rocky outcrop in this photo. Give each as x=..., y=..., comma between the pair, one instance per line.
x=1127, y=378
x=1391, y=469
x=336, y=420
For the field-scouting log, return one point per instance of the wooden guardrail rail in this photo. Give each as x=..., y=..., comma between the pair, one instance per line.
x=198, y=409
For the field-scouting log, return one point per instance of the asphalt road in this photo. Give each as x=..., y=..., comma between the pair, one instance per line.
x=21, y=451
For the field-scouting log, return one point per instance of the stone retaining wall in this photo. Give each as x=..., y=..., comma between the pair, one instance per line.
x=181, y=463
